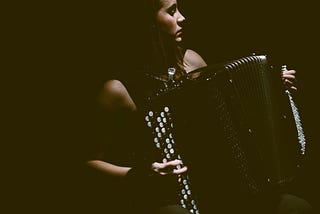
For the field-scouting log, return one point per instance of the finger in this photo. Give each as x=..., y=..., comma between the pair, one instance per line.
x=163, y=167
x=157, y=167
x=179, y=171
x=290, y=85
x=174, y=171
x=288, y=82
x=288, y=76
x=289, y=72
x=293, y=88
x=173, y=163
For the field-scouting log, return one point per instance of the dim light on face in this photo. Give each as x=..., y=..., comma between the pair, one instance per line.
x=169, y=19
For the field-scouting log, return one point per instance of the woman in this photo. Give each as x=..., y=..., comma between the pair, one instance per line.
x=167, y=34
x=125, y=155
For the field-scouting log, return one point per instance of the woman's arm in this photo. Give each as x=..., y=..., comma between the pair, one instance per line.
x=108, y=168
x=113, y=97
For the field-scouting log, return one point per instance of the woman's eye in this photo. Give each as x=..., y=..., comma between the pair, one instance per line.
x=172, y=10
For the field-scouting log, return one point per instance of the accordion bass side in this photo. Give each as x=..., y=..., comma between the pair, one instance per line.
x=265, y=117
x=246, y=100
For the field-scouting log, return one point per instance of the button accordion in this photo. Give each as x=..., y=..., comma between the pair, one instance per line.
x=257, y=117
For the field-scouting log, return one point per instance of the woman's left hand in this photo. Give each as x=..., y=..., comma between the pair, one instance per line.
x=289, y=79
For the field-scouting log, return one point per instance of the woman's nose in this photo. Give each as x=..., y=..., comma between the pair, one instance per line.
x=180, y=18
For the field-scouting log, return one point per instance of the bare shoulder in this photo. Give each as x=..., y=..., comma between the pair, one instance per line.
x=115, y=95
x=193, y=60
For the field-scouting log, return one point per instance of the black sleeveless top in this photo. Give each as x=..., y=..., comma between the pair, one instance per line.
x=123, y=139
x=214, y=176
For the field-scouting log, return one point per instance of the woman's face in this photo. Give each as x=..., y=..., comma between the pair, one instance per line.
x=169, y=19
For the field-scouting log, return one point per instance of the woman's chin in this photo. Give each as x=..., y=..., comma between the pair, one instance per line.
x=178, y=39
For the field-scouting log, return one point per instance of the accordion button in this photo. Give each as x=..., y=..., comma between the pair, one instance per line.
x=166, y=109
x=162, y=114
x=150, y=113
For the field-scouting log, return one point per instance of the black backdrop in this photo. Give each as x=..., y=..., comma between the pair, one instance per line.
x=64, y=52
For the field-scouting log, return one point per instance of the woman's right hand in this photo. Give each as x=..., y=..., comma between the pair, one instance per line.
x=170, y=167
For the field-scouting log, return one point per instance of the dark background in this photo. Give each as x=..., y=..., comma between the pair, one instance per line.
x=60, y=53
